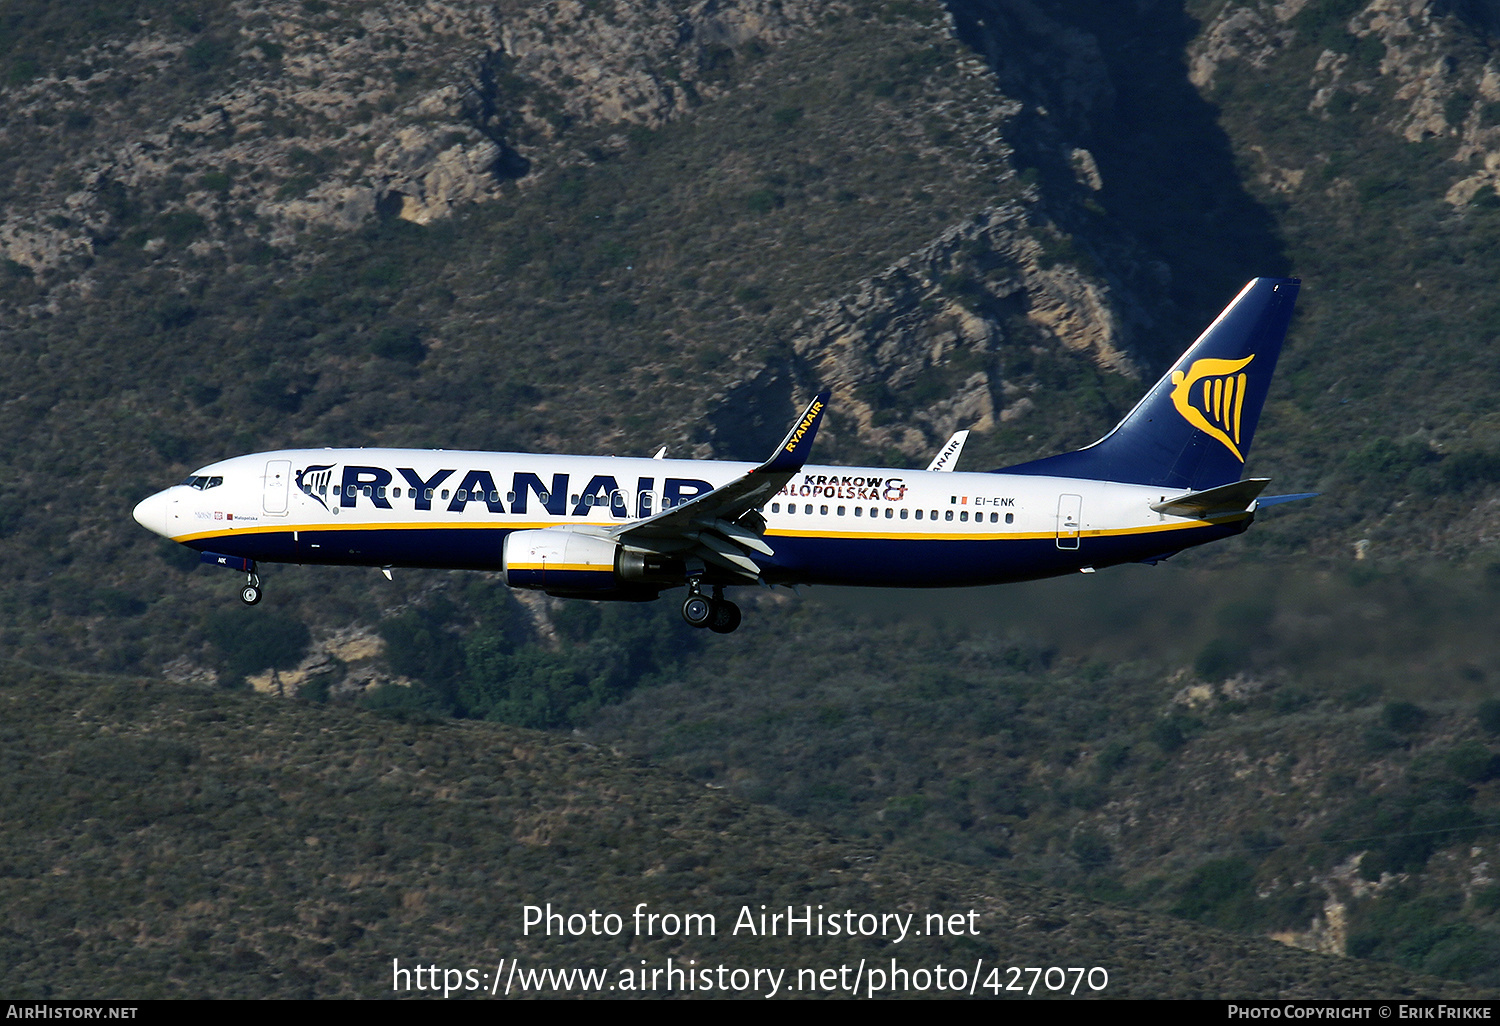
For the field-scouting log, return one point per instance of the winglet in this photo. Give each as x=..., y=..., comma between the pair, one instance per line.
x=947, y=456
x=792, y=453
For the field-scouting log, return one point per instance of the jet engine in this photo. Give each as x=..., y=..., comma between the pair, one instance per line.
x=577, y=565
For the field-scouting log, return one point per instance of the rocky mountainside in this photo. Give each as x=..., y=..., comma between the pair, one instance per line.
x=243, y=226
x=236, y=136
x=264, y=120
x=603, y=226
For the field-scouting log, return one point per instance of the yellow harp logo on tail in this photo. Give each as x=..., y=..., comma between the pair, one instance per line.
x=1210, y=397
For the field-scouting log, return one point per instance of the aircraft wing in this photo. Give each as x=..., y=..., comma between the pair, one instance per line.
x=713, y=526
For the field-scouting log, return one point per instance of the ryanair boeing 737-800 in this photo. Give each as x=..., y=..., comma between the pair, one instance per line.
x=604, y=527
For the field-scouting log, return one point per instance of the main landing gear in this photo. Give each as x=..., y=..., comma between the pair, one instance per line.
x=250, y=593
x=718, y=614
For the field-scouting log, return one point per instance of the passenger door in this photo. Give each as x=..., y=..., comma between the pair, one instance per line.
x=1069, y=520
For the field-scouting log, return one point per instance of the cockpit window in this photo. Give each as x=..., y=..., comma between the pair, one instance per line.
x=202, y=482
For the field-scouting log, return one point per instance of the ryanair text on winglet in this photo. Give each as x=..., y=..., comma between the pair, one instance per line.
x=812, y=415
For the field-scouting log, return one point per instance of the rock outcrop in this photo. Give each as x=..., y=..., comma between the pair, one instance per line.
x=933, y=328
x=1441, y=84
x=318, y=116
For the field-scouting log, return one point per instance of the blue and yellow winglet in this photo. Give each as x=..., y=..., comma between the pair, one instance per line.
x=793, y=451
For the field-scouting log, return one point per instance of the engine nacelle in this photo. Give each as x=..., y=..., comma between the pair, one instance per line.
x=586, y=565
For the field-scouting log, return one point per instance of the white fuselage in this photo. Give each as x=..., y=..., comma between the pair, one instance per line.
x=833, y=525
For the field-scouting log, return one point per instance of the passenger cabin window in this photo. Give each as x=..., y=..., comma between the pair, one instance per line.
x=1010, y=518
x=775, y=507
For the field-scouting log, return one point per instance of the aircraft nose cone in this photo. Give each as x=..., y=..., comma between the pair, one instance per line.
x=151, y=513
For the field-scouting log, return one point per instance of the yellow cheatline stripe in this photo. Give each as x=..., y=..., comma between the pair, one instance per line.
x=1011, y=536
x=456, y=525
x=775, y=532
x=592, y=567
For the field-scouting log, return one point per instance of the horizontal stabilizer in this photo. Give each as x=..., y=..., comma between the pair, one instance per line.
x=1231, y=498
x=1277, y=500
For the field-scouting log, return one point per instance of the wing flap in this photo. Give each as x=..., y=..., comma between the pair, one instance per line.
x=741, y=536
x=728, y=555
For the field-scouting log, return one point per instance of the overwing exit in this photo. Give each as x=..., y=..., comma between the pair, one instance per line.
x=1166, y=478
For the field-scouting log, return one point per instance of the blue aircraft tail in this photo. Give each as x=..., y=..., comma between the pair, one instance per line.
x=1193, y=429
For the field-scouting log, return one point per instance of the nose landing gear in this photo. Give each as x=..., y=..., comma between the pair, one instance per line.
x=718, y=614
x=251, y=593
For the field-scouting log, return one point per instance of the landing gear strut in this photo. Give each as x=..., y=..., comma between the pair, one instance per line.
x=250, y=593
x=718, y=614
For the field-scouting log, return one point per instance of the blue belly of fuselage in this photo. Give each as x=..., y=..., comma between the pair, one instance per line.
x=872, y=561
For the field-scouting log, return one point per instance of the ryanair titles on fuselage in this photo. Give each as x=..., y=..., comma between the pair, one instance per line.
x=455, y=491
x=336, y=487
